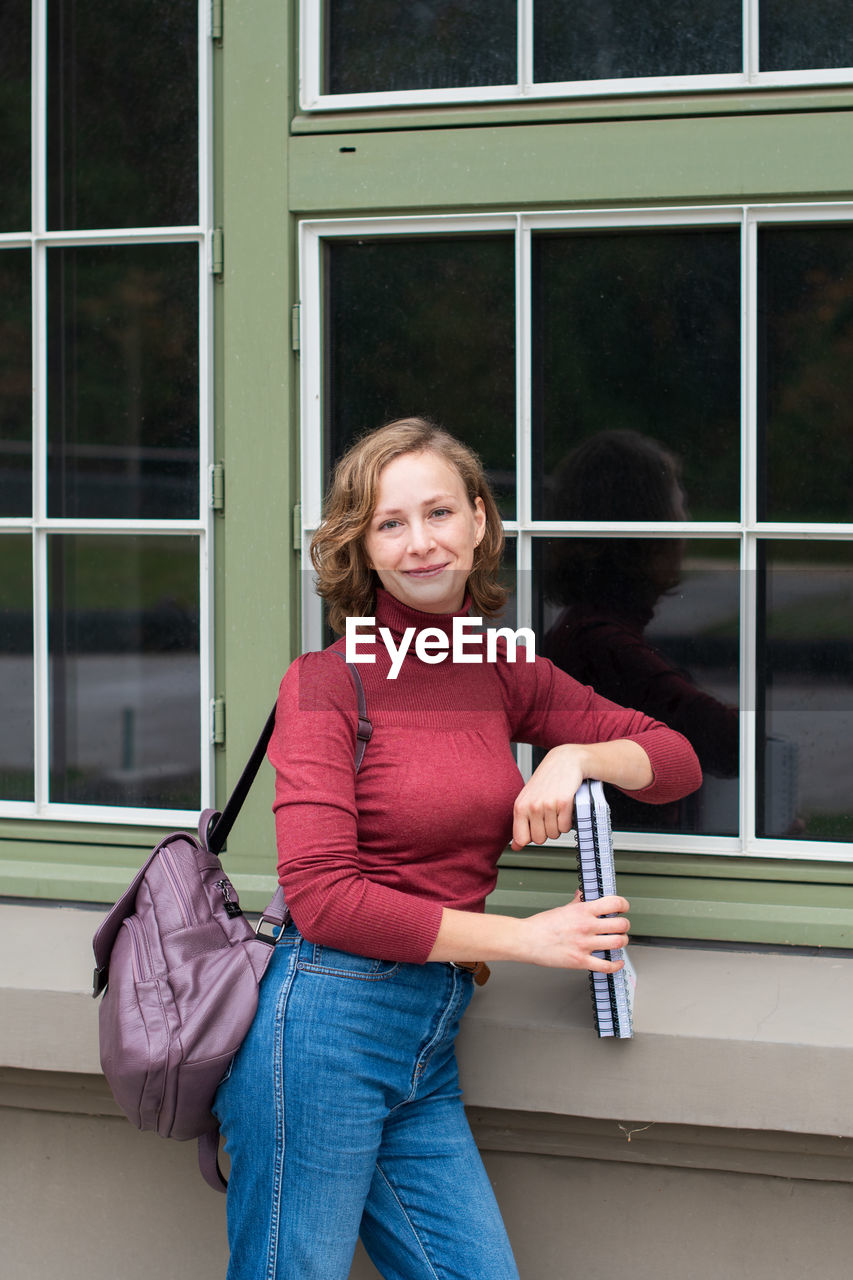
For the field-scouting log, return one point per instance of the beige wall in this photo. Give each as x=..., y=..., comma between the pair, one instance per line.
x=86, y=1197
x=718, y=1142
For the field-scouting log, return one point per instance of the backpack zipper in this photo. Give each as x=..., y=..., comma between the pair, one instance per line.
x=173, y=876
x=140, y=968
x=225, y=887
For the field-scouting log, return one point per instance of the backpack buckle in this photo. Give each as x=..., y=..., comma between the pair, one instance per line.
x=275, y=929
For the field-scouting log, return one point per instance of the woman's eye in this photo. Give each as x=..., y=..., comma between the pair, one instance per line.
x=388, y=524
x=441, y=511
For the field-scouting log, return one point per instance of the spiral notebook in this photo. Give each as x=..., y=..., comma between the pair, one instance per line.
x=612, y=993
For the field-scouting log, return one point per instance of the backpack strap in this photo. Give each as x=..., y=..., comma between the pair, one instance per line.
x=218, y=826
x=364, y=732
x=208, y=1160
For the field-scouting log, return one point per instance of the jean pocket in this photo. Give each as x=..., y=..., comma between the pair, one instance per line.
x=343, y=964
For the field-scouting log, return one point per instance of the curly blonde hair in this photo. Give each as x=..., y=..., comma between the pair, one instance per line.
x=344, y=579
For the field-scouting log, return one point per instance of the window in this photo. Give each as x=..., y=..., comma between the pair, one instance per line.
x=104, y=403
x=483, y=50
x=660, y=399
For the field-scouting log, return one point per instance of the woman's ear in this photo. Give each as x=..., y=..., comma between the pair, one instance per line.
x=479, y=520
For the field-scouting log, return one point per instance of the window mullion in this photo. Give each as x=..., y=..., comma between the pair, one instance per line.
x=750, y=40
x=41, y=692
x=206, y=516
x=311, y=320
x=310, y=54
x=748, y=687
x=525, y=46
x=749, y=543
x=38, y=135
x=523, y=444
x=41, y=671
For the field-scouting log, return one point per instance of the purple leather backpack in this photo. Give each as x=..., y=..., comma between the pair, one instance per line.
x=179, y=965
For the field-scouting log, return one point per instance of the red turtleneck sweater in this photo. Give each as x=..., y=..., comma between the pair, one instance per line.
x=367, y=862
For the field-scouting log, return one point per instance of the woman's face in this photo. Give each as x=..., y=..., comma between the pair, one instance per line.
x=423, y=531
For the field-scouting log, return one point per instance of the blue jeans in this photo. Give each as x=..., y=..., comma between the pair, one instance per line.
x=342, y=1116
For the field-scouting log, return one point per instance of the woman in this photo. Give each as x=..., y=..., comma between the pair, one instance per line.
x=342, y=1112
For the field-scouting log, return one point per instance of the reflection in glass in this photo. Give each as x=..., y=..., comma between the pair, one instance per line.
x=804, y=34
x=123, y=410
x=124, y=671
x=588, y=40
x=805, y=684
x=15, y=70
x=424, y=327
x=16, y=668
x=434, y=44
x=639, y=331
x=805, y=334
x=653, y=623
x=122, y=132
x=16, y=377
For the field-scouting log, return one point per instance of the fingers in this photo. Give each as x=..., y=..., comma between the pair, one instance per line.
x=610, y=905
x=534, y=824
x=598, y=964
x=577, y=935
x=609, y=934
x=612, y=941
x=520, y=833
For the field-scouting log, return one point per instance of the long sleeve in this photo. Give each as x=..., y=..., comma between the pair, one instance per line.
x=552, y=708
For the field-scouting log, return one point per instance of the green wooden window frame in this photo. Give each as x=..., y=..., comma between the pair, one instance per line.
x=272, y=166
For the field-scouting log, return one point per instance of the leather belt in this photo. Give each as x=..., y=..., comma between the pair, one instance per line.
x=478, y=968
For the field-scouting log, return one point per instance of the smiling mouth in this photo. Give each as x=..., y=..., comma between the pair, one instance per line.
x=429, y=572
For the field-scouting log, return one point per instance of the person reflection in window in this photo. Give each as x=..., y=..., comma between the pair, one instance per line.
x=608, y=589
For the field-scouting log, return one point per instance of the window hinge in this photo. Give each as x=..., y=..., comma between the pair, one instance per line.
x=216, y=19
x=217, y=252
x=294, y=327
x=297, y=527
x=217, y=487
x=217, y=721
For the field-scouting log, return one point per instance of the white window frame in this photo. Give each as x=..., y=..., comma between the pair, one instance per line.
x=39, y=525
x=748, y=529
x=312, y=98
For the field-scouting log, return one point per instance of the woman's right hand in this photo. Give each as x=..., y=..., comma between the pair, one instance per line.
x=566, y=937
x=561, y=938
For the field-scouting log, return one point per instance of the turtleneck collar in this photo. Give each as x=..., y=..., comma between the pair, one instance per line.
x=397, y=617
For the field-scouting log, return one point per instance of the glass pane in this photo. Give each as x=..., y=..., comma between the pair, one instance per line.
x=16, y=668
x=805, y=682
x=591, y=40
x=435, y=44
x=797, y=34
x=424, y=327
x=637, y=332
x=805, y=334
x=124, y=671
x=122, y=133
x=653, y=623
x=123, y=408
x=15, y=62
x=16, y=379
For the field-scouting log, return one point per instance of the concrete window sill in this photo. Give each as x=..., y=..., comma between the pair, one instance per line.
x=727, y=1039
